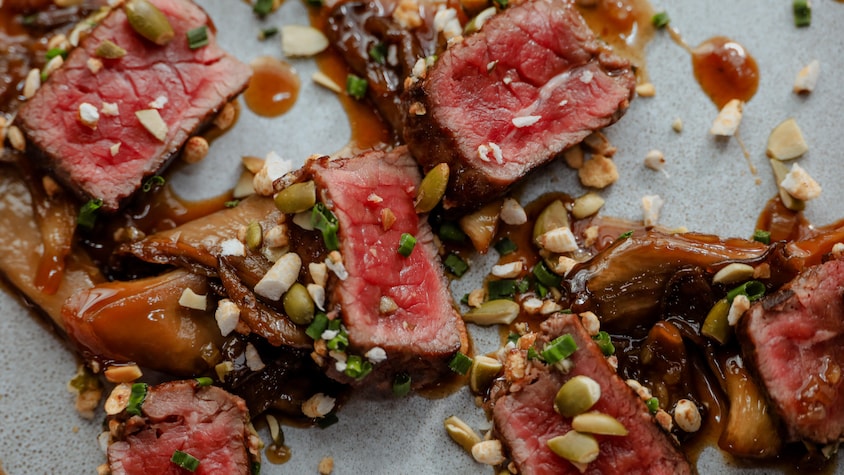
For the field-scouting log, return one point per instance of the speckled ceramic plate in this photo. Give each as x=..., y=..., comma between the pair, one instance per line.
x=708, y=186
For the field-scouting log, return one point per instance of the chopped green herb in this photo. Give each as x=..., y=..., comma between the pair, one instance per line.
x=185, y=460
x=604, y=343
x=752, y=289
x=262, y=7
x=28, y=20
x=136, y=398
x=88, y=213
x=506, y=246
x=198, y=37
x=660, y=20
x=532, y=354
x=501, y=289
x=541, y=290
x=317, y=326
x=546, y=276
x=401, y=385
x=450, y=231
x=44, y=76
x=329, y=420
x=267, y=33
x=204, y=381
x=378, y=52
x=357, y=367
x=406, y=244
x=522, y=286
x=625, y=235
x=513, y=338
x=53, y=52
x=454, y=264
x=156, y=180
x=802, y=13
x=231, y=204
x=653, y=405
x=559, y=349
x=460, y=364
x=356, y=86
x=762, y=236
x=255, y=469
x=501, y=4
x=340, y=341
x=323, y=219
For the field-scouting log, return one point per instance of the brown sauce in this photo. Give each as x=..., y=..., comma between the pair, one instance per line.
x=625, y=25
x=273, y=89
x=278, y=454
x=725, y=70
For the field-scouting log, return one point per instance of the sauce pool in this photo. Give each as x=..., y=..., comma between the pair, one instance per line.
x=725, y=70
x=273, y=89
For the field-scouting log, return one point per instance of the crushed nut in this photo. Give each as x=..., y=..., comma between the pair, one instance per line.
x=227, y=316
x=512, y=212
x=509, y=270
x=645, y=90
x=574, y=157
x=123, y=374
x=323, y=80
x=727, y=122
x=655, y=160
x=740, y=305
x=677, y=125
x=476, y=297
x=319, y=405
x=32, y=83
x=800, y=185
x=687, y=415
x=598, y=172
x=590, y=322
x=807, y=78
x=226, y=117
x=16, y=138
x=152, y=121
x=195, y=150
x=326, y=466
x=651, y=206
x=488, y=452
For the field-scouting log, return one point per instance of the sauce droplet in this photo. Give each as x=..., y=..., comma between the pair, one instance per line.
x=725, y=70
x=278, y=454
x=273, y=89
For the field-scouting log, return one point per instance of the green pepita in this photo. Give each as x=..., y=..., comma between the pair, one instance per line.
x=577, y=395
x=598, y=423
x=296, y=198
x=148, y=21
x=298, y=304
x=109, y=50
x=432, y=188
x=575, y=447
x=254, y=235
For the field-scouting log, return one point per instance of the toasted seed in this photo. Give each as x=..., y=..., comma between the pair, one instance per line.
x=476, y=23
x=109, y=50
x=296, y=198
x=575, y=447
x=732, y=273
x=687, y=415
x=552, y=217
x=484, y=371
x=225, y=118
x=488, y=452
x=432, y=188
x=195, y=150
x=118, y=399
x=123, y=374
x=323, y=80
x=298, y=304
x=646, y=90
x=254, y=235
x=780, y=171
x=786, y=141
x=32, y=83
x=148, y=21
x=302, y=41
x=729, y=117
x=586, y=205
x=16, y=138
x=557, y=240
x=574, y=157
x=461, y=433
x=493, y=312
x=598, y=423
x=577, y=396
x=252, y=164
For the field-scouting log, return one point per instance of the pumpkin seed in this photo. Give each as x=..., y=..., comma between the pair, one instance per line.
x=298, y=304
x=109, y=50
x=598, y=423
x=432, y=188
x=577, y=395
x=254, y=235
x=148, y=21
x=575, y=447
x=296, y=198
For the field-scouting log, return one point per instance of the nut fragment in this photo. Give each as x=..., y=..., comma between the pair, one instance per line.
x=118, y=399
x=152, y=121
x=687, y=415
x=807, y=78
x=461, y=433
x=646, y=90
x=800, y=185
x=651, y=206
x=729, y=117
x=323, y=80
x=493, y=312
x=32, y=83
x=16, y=138
x=319, y=405
x=225, y=119
x=488, y=452
x=577, y=395
x=123, y=374
x=558, y=240
x=508, y=270
x=302, y=41
x=512, y=212
x=598, y=172
x=190, y=299
x=739, y=305
x=655, y=160
x=786, y=141
x=195, y=150
x=586, y=205
x=733, y=273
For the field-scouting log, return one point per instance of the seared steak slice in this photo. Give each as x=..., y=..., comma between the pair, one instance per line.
x=525, y=419
x=794, y=340
x=530, y=84
x=418, y=329
x=189, y=86
x=206, y=422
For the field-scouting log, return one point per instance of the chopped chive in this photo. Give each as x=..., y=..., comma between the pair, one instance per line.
x=752, y=289
x=357, y=367
x=522, y=286
x=653, y=405
x=513, y=338
x=604, y=343
x=156, y=180
x=204, y=381
x=267, y=33
x=559, y=349
x=329, y=420
x=406, y=244
x=460, y=364
x=88, y=213
x=378, y=52
x=356, y=86
x=762, y=236
x=502, y=4
x=802, y=13
x=401, y=385
x=546, y=276
x=198, y=37
x=28, y=20
x=324, y=220
x=185, y=460
x=454, y=264
x=660, y=20
x=231, y=204
x=136, y=398
x=532, y=354
x=255, y=468
x=340, y=341
x=53, y=52
x=506, y=246
x=262, y=7
x=625, y=235
x=450, y=231
x=501, y=289
x=317, y=326
x=541, y=290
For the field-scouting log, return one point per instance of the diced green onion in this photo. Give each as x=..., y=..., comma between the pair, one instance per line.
x=716, y=325
x=762, y=236
x=604, y=343
x=545, y=276
x=522, y=286
x=328, y=420
x=340, y=341
x=450, y=231
x=660, y=20
x=541, y=290
x=532, y=354
x=653, y=405
x=53, y=52
x=231, y=204
x=559, y=349
x=267, y=33
x=625, y=235
x=460, y=364
x=502, y=4
x=378, y=52
x=454, y=264
x=204, y=381
x=357, y=367
x=323, y=219
x=317, y=326
x=136, y=398
x=262, y=7
x=501, y=289
x=802, y=13
x=401, y=385
x=156, y=180
x=506, y=246
x=29, y=20
x=255, y=469
x=198, y=37
x=356, y=86
x=753, y=289
x=88, y=213
x=406, y=244
x=513, y=338
x=185, y=460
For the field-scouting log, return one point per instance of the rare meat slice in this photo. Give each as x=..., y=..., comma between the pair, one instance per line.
x=530, y=84
x=397, y=304
x=109, y=158
x=794, y=340
x=525, y=419
x=207, y=423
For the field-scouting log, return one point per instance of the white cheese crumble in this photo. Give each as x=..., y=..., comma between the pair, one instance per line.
x=376, y=355
x=800, y=185
x=651, y=206
x=253, y=359
x=88, y=115
x=190, y=299
x=232, y=247
x=159, y=102
x=280, y=277
x=526, y=121
x=227, y=316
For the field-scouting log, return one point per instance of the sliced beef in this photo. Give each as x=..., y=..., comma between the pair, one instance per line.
x=206, y=422
x=189, y=85
x=419, y=329
x=511, y=97
x=525, y=419
x=794, y=340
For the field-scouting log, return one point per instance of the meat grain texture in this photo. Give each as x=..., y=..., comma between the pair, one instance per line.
x=794, y=340
x=525, y=418
x=109, y=160
x=533, y=82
